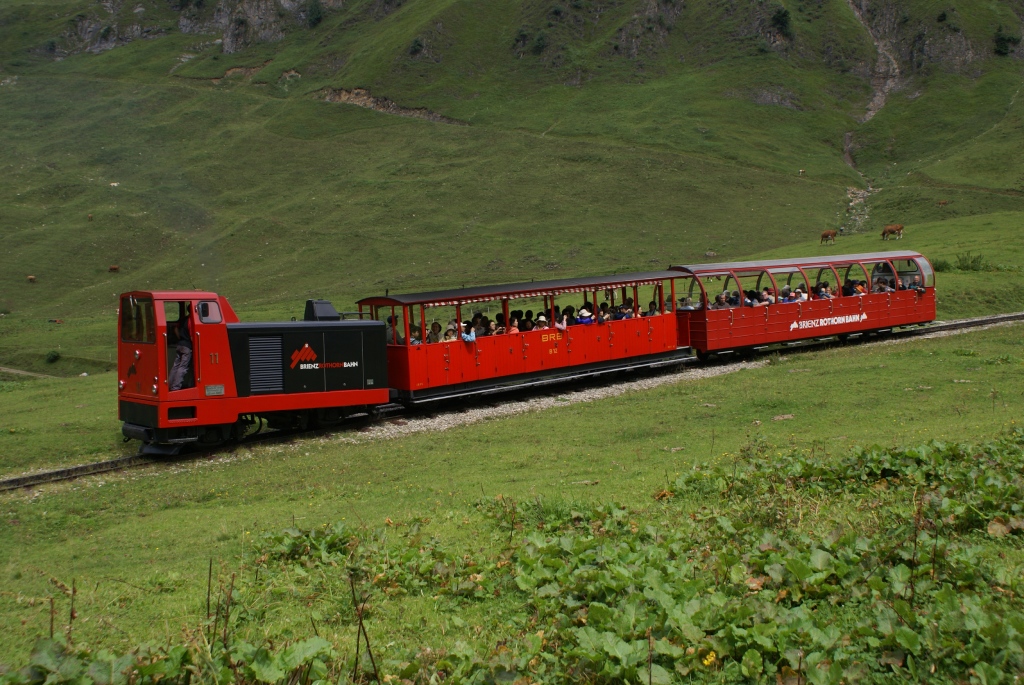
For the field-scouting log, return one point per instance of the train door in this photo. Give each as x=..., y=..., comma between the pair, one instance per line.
x=139, y=358
x=210, y=349
x=691, y=318
x=880, y=298
x=438, y=353
x=722, y=318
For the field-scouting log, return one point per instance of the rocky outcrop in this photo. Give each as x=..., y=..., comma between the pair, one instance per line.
x=885, y=75
x=244, y=22
x=96, y=34
x=912, y=44
x=647, y=31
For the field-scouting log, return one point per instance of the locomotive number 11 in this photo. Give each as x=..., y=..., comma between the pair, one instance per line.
x=215, y=357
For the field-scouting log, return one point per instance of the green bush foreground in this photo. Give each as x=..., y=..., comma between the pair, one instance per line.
x=888, y=564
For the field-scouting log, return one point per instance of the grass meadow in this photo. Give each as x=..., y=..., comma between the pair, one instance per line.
x=138, y=544
x=591, y=138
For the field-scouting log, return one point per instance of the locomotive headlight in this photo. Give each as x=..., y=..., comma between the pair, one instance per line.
x=155, y=388
x=137, y=354
x=120, y=385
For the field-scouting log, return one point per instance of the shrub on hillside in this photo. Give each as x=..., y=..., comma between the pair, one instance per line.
x=941, y=265
x=781, y=23
x=540, y=42
x=52, y=356
x=967, y=261
x=1004, y=42
x=314, y=13
x=416, y=47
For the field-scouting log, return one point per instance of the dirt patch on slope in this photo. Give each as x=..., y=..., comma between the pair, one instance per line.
x=362, y=98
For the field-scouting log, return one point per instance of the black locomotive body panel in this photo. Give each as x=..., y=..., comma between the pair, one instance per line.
x=308, y=356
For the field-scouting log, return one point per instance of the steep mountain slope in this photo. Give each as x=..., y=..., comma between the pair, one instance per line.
x=216, y=145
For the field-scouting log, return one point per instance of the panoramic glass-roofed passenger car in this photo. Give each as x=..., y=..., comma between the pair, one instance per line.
x=900, y=292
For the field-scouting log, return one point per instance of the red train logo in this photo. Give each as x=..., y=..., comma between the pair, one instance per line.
x=303, y=354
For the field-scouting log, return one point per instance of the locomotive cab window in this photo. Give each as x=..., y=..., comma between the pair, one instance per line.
x=209, y=312
x=174, y=312
x=137, y=320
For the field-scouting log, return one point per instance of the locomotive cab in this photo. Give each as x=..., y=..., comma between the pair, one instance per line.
x=151, y=326
x=190, y=372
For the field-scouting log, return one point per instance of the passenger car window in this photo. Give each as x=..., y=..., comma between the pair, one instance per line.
x=137, y=322
x=209, y=312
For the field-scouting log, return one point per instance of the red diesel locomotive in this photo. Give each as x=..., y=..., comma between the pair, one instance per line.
x=316, y=371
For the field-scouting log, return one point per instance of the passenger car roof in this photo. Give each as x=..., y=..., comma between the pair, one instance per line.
x=484, y=293
x=768, y=264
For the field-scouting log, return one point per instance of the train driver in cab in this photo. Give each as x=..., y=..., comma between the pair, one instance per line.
x=183, y=350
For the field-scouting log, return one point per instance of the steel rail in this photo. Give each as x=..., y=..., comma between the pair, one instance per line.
x=385, y=411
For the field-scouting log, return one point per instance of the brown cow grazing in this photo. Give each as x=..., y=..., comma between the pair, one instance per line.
x=31, y=279
x=892, y=230
x=943, y=203
x=827, y=236
x=113, y=268
x=90, y=217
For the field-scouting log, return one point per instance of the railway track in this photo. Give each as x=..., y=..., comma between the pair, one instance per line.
x=387, y=411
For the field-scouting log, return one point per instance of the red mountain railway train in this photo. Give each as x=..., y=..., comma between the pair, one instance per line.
x=190, y=372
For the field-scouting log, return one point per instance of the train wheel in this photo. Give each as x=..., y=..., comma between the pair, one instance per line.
x=703, y=356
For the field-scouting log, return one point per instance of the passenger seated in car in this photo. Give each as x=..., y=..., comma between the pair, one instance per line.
x=389, y=332
x=414, y=335
x=513, y=325
x=434, y=334
x=542, y=323
x=768, y=296
x=848, y=289
x=652, y=309
x=686, y=305
x=570, y=314
x=450, y=332
x=735, y=300
x=915, y=285
x=585, y=317
x=719, y=302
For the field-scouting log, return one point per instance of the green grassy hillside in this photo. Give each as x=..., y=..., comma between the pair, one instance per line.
x=598, y=137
